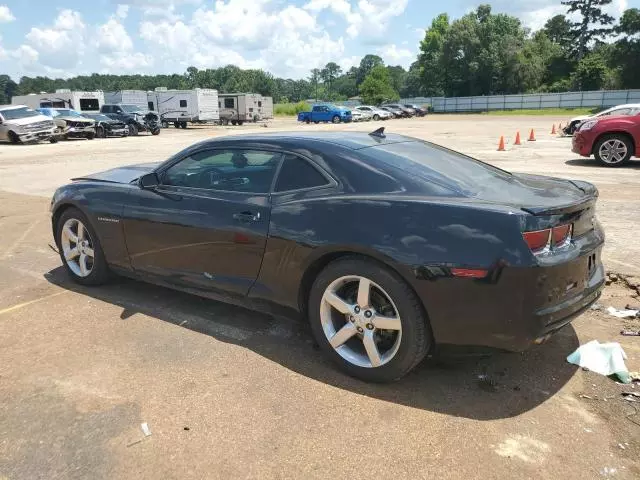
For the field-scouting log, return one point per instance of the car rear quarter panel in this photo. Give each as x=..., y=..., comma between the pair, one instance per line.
x=102, y=203
x=408, y=236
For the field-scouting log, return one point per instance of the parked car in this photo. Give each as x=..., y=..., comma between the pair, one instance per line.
x=272, y=222
x=396, y=112
x=325, y=113
x=420, y=111
x=360, y=116
x=21, y=124
x=612, y=140
x=136, y=119
x=375, y=112
x=405, y=112
x=107, y=127
x=70, y=124
x=627, y=109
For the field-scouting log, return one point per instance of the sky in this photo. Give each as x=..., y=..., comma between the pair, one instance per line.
x=285, y=37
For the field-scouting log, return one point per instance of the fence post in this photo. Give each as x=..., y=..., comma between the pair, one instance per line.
x=582, y=99
x=627, y=100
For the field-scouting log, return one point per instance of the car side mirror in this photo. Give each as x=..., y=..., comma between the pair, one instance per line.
x=149, y=180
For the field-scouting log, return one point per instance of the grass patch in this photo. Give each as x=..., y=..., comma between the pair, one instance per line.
x=289, y=109
x=545, y=111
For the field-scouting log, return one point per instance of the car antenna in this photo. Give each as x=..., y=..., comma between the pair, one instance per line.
x=378, y=133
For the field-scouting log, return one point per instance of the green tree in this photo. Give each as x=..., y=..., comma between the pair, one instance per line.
x=376, y=87
x=591, y=27
x=397, y=76
x=434, y=78
x=329, y=73
x=627, y=49
x=367, y=64
x=591, y=72
x=8, y=89
x=558, y=30
x=315, y=80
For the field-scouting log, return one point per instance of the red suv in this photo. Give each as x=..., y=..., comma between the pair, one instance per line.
x=612, y=140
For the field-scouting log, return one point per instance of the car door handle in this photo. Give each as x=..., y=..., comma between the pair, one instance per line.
x=247, y=216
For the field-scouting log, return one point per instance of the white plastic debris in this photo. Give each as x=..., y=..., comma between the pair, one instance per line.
x=145, y=429
x=603, y=358
x=622, y=313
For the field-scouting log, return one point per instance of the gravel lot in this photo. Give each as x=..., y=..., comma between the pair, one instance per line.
x=229, y=393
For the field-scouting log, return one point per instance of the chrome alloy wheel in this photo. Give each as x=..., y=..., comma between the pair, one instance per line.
x=77, y=247
x=613, y=151
x=360, y=321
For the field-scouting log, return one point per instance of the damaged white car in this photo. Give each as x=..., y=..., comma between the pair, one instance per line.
x=71, y=124
x=21, y=124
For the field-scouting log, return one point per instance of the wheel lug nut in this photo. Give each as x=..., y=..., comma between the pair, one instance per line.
x=357, y=309
x=367, y=313
x=369, y=326
x=352, y=318
x=360, y=330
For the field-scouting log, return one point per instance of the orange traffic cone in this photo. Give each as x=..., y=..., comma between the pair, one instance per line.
x=553, y=130
x=532, y=136
x=517, y=142
x=560, y=126
x=501, y=144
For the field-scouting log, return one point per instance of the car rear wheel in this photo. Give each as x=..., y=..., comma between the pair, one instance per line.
x=91, y=136
x=133, y=129
x=101, y=132
x=368, y=320
x=376, y=117
x=336, y=119
x=80, y=249
x=613, y=150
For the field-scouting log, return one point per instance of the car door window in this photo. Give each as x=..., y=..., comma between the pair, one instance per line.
x=228, y=170
x=297, y=173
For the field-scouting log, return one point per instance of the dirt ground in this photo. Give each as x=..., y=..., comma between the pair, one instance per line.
x=228, y=393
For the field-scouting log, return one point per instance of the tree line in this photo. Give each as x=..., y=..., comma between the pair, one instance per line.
x=481, y=53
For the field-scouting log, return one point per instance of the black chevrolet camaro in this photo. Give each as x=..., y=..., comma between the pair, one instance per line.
x=388, y=245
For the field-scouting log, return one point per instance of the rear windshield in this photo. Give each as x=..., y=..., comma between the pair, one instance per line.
x=438, y=165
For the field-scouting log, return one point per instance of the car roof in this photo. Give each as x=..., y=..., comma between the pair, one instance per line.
x=351, y=140
x=12, y=107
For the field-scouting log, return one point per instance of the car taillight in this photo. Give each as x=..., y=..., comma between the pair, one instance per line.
x=537, y=240
x=561, y=235
x=549, y=238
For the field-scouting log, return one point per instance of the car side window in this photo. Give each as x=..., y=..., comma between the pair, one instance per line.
x=297, y=173
x=228, y=170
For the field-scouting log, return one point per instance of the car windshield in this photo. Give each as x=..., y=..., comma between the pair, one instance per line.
x=131, y=108
x=15, y=113
x=67, y=112
x=102, y=118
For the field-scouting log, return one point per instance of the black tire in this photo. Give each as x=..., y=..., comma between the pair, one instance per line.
x=100, y=270
x=316, y=122
x=164, y=124
x=240, y=122
x=233, y=122
x=376, y=117
x=155, y=132
x=91, y=136
x=14, y=138
x=416, y=338
x=307, y=121
x=101, y=132
x=183, y=124
x=53, y=139
x=176, y=124
x=133, y=129
x=335, y=119
x=628, y=144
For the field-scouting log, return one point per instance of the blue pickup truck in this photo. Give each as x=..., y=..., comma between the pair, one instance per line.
x=325, y=113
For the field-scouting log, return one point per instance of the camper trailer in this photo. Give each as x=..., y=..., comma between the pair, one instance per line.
x=178, y=107
x=237, y=108
x=62, y=98
x=128, y=97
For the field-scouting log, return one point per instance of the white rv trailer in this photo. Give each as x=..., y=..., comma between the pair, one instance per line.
x=128, y=97
x=178, y=107
x=62, y=98
x=237, y=108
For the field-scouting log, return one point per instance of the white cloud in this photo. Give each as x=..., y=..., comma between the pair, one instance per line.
x=62, y=45
x=122, y=11
x=126, y=61
x=392, y=55
x=69, y=20
x=113, y=37
x=5, y=14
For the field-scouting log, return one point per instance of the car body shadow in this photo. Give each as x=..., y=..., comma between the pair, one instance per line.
x=502, y=385
x=592, y=162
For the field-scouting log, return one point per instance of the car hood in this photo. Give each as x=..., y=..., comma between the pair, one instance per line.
x=580, y=118
x=74, y=119
x=121, y=174
x=28, y=120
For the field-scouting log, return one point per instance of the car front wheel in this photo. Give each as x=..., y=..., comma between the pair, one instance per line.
x=613, y=150
x=336, y=119
x=368, y=320
x=80, y=249
x=133, y=129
